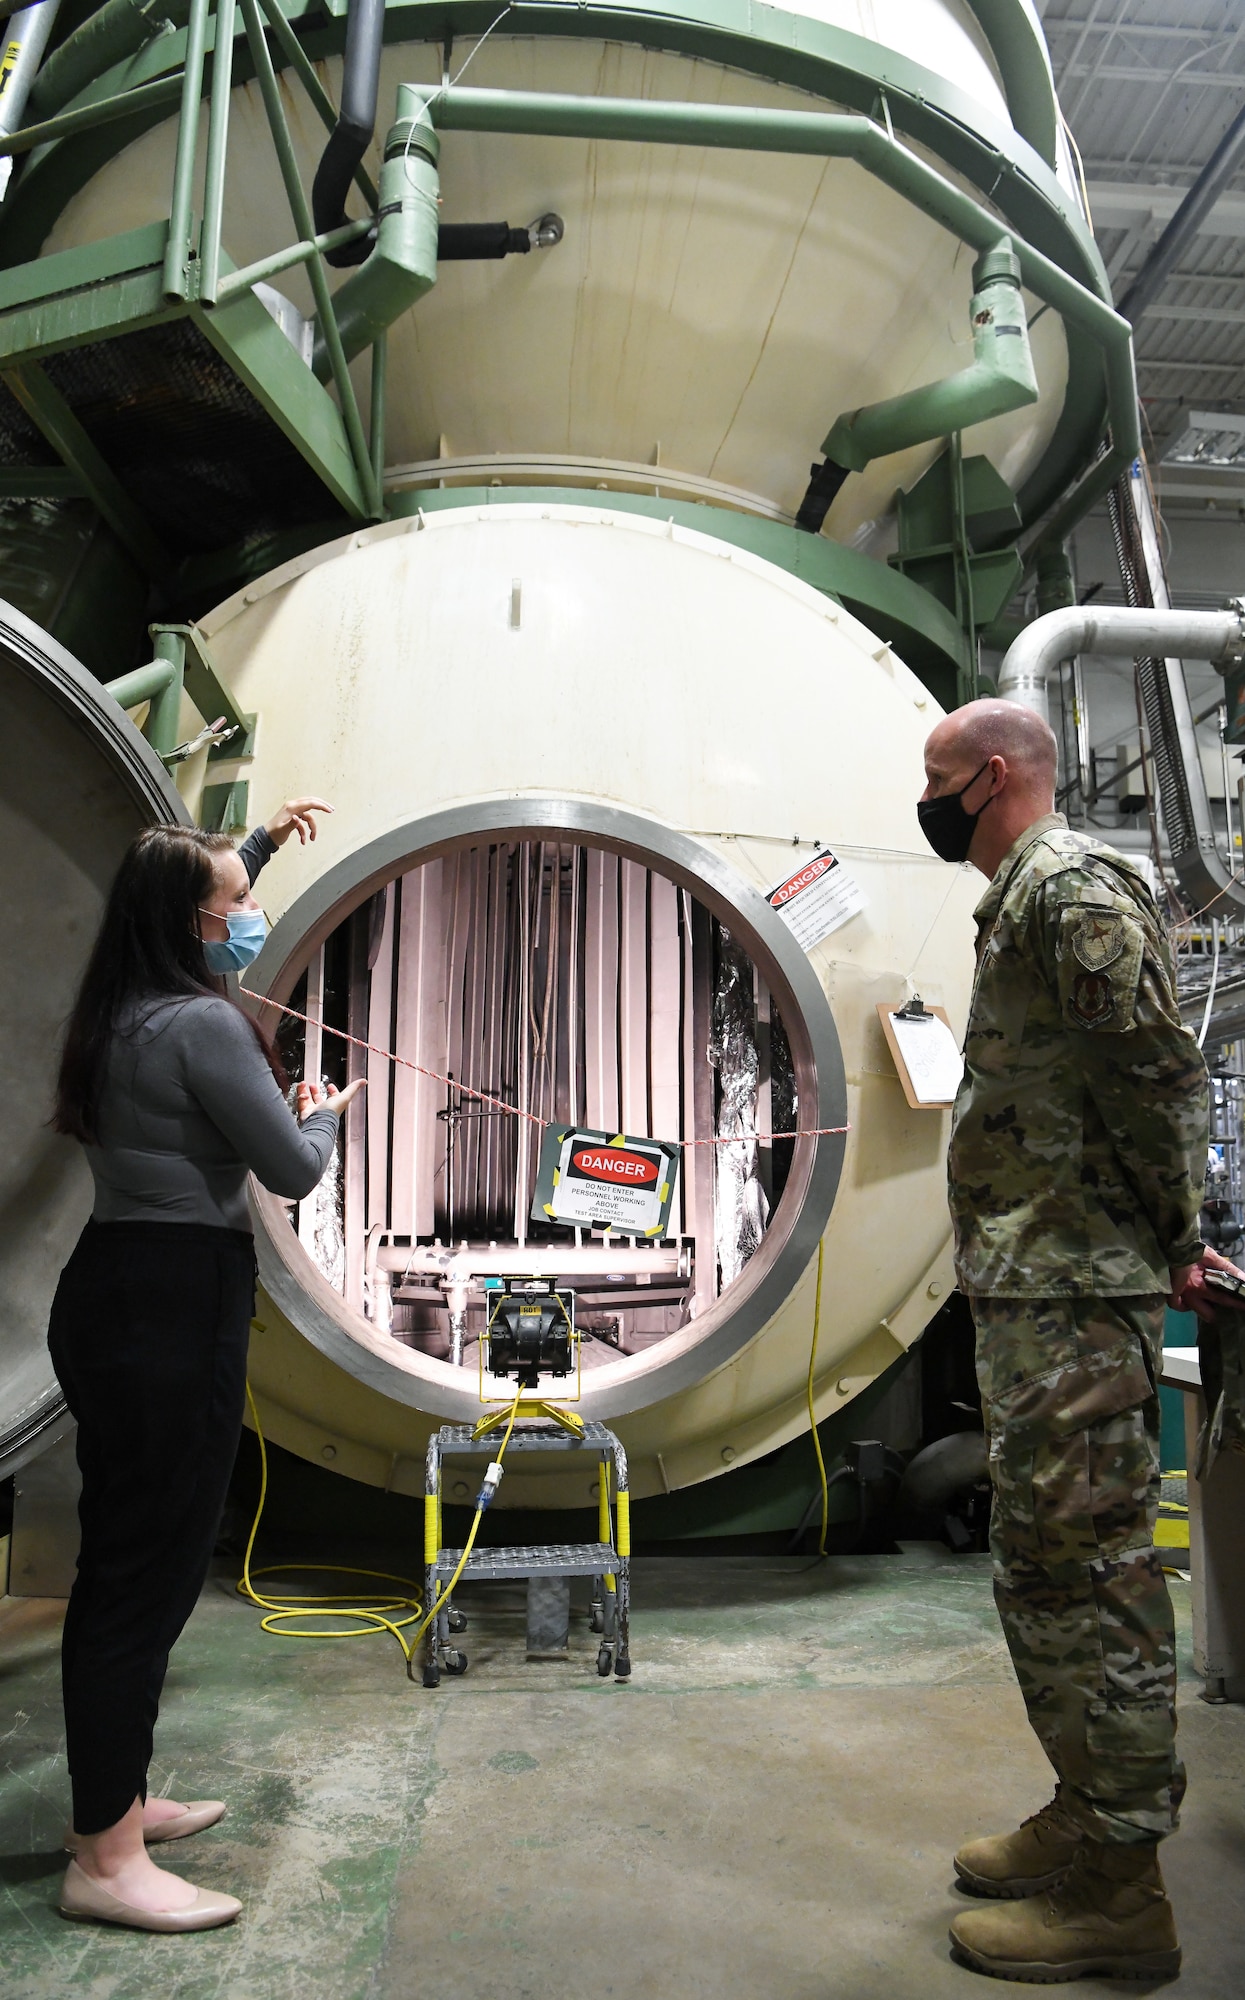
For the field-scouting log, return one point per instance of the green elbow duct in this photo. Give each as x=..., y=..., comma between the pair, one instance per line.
x=403, y=263
x=999, y=379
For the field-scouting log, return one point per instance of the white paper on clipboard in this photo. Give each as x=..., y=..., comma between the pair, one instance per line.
x=931, y=1056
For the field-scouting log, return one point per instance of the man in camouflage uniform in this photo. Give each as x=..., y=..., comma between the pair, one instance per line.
x=1076, y=1171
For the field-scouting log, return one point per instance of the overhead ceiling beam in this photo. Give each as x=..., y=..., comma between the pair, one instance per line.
x=1197, y=315
x=1151, y=73
x=1146, y=365
x=1120, y=204
x=1135, y=31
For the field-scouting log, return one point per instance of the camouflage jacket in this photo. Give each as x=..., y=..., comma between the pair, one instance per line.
x=1078, y=1142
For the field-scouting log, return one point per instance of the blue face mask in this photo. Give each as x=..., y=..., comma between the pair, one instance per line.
x=247, y=931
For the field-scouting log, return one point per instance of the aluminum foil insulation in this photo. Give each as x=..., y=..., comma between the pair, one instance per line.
x=328, y=1239
x=741, y=1210
x=321, y=1217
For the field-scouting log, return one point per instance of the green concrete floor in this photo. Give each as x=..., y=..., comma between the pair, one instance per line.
x=768, y=1809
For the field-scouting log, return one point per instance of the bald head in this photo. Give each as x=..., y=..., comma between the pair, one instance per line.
x=984, y=729
x=1003, y=758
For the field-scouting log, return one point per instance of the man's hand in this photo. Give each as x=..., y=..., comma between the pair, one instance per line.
x=1189, y=1293
x=296, y=815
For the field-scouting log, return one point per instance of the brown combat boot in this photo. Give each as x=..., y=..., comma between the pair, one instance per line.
x=1025, y=1862
x=1109, y=1917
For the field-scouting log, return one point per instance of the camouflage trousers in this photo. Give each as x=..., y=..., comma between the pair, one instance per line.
x=1069, y=1392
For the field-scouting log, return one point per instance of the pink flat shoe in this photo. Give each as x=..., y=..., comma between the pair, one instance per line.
x=192, y=1819
x=86, y=1901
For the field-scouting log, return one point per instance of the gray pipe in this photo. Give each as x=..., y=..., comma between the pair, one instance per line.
x=1186, y=222
x=1118, y=631
x=28, y=32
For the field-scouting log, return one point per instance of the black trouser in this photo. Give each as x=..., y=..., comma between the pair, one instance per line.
x=148, y=1337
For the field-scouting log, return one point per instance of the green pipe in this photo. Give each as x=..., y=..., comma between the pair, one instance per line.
x=177, y=252
x=163, y=725
x=824, y=135
x=1056, y=590
x=321, y=102
x=127, y=104
x=300, y=209
x=817, y=133
x=999, y=379
x=282, y=260
x=217, y=151
x=143, y=684
x=117, y=30
x=1002, y=633
x=403, y=265
x=376, y=419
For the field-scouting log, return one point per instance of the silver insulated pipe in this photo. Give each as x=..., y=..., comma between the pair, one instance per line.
x=26, y=39
x=1117, y=631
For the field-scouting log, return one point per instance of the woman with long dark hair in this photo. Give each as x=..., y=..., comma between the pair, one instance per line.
x=176, y=1095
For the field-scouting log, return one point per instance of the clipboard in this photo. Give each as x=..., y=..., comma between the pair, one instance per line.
x=885, y=1010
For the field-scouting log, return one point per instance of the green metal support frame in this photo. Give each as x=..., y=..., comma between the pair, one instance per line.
x=165, y=714
x=183, y=663
x=117, y=286
x=180, y=249
x=264, y=268
x=160, y=684
x=300, y=210
x=217, y=152
x=209, y=692
x=49, y=410
x=143, y=684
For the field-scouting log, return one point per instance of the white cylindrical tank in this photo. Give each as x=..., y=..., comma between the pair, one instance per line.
x=708, y=312
x=516, y=672
x=571, y=746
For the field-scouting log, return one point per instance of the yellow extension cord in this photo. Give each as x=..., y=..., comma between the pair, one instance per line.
x=812, y=1414
x=382, y=1617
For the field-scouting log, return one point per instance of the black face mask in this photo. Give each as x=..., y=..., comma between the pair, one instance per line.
x=947, y=825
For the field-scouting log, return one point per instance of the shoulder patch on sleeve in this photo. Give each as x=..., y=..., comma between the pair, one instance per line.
x=1099, y=956
x=1098, y=939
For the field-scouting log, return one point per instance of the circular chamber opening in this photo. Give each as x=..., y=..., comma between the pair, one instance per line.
x=551, y=978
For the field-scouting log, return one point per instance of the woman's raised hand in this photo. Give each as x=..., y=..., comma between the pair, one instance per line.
x=314, y=1097
x=296, y=816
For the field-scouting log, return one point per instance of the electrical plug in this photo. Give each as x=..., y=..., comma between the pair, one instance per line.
x=492, y=1480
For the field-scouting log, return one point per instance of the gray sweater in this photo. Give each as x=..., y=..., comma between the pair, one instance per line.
x=188, y=1107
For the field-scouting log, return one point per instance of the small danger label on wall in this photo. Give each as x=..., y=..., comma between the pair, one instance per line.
x=816, y=898
x=605, y=1180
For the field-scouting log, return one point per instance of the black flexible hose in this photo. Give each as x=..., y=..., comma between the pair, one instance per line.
x=823, y=485
x=352, y=134
x=459, y=241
